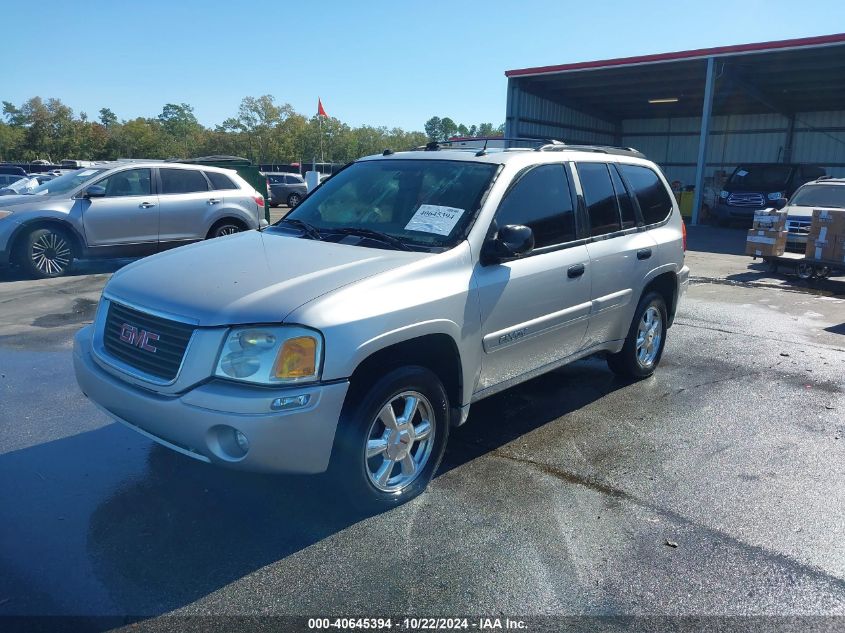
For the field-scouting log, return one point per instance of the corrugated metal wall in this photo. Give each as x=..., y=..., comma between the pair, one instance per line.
x=818, y=137
x=529, y=115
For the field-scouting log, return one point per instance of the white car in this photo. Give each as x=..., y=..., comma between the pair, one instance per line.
x=824, y=193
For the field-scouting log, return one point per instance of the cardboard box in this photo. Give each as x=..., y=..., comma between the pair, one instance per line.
x=820, y=249
x=769, y=220
x=827, y=224
x=762, y=243
x=839, y=250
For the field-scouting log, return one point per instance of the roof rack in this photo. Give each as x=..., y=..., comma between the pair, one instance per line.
x=601, y=149
x=541, y=145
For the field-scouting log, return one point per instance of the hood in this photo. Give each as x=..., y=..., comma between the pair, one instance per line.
x=249, y=277
x=21, y=202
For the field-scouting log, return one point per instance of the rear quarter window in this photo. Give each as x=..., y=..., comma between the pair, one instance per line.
x=652, y=196
x=220, y=181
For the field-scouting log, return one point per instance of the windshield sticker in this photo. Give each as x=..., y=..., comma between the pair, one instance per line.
x=88, y=172
x=742, y=173
x=431, y=218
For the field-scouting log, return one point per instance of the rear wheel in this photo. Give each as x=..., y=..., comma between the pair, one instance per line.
x=646, y=339
x=47, y=252
x=225, y=227
x=391, y=439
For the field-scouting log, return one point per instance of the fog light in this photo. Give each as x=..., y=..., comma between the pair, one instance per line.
x=243, y=443
x=290, y=402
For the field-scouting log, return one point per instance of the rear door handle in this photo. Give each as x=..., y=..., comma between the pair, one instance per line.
x=575, y=271
x=147, y=205
x=214, y=200
x=644, y=253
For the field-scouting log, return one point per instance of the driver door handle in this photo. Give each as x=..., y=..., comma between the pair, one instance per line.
x=147, y=205
x=575, y=271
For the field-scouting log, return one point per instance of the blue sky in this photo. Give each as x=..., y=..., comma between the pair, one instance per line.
x=375, y=62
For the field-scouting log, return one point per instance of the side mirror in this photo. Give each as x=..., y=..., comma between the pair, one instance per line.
x=780, y=203
x=512, y=241
x=95, y=191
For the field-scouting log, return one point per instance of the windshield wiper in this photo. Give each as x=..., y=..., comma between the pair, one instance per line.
x=372, y=234
x=309, y=229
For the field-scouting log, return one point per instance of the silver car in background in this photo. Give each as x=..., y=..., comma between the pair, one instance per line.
x=125, y=209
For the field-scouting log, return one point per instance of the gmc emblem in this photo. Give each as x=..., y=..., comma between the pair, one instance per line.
x=139, y=338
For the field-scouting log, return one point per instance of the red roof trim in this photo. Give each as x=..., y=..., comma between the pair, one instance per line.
x=820, y=40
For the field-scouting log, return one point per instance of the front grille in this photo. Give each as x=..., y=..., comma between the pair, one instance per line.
x=757, y=200
x=798, y=226
x=150, y=344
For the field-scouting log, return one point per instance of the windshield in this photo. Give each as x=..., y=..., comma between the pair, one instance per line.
x=421, y=202
x=65, y=183
x=24, y=185
x=765, y=177
x=820, y=196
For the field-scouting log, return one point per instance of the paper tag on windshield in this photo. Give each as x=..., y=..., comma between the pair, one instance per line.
x=87, y=172
x=431, y=218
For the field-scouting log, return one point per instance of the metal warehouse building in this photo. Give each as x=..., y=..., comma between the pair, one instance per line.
x=697, y=113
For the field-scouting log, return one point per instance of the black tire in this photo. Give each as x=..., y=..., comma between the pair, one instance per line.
x=350, y=469
x=225, y=227
x=294, y=199
x=47, y=252
x=627, y=362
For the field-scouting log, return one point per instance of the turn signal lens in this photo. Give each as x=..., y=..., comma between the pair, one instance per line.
x=297, y=358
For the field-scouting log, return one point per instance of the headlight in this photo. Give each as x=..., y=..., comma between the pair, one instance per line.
x=723, y=194
x=271, y=355
x=776, y=196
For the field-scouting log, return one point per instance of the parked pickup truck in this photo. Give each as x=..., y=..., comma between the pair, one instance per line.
x=348, y=337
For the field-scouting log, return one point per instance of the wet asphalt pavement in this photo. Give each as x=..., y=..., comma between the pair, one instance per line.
x=714, y=487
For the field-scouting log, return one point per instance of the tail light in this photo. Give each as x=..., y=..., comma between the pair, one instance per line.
x=684, y=233
x=268, y=188
x=259, y=200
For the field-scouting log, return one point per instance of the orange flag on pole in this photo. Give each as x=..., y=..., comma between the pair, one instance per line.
x=321, y=111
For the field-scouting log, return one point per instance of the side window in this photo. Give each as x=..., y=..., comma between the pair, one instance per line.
x=130, y=182
x=289, y=180
x=600, y=198
x=220, y=181
x=623, y=199
x=651, y=194
x=541, y=200
x=182, y=181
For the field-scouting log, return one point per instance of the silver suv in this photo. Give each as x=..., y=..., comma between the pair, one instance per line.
x=357, y=330
x=123, y=209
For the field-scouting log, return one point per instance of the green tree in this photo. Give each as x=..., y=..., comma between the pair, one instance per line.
x=434, y=129
x=107, y=117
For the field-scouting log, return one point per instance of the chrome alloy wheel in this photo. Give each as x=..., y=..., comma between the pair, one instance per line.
x=227, y=229
x=649, y=334
x=51, y=254
x=399, y=441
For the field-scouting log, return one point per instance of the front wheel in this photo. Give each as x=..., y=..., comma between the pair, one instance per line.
x=294, y=199
x=646, y=338
x=47, y=253
x=391, y=438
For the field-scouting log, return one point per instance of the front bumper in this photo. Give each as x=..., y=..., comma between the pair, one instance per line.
x=728, y=212
x=8, y=227
x=193, y=423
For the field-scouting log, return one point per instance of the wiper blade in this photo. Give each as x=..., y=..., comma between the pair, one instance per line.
x=309, y=229
x=372, y=234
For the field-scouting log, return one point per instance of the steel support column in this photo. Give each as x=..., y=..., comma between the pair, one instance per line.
x=701, y=163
